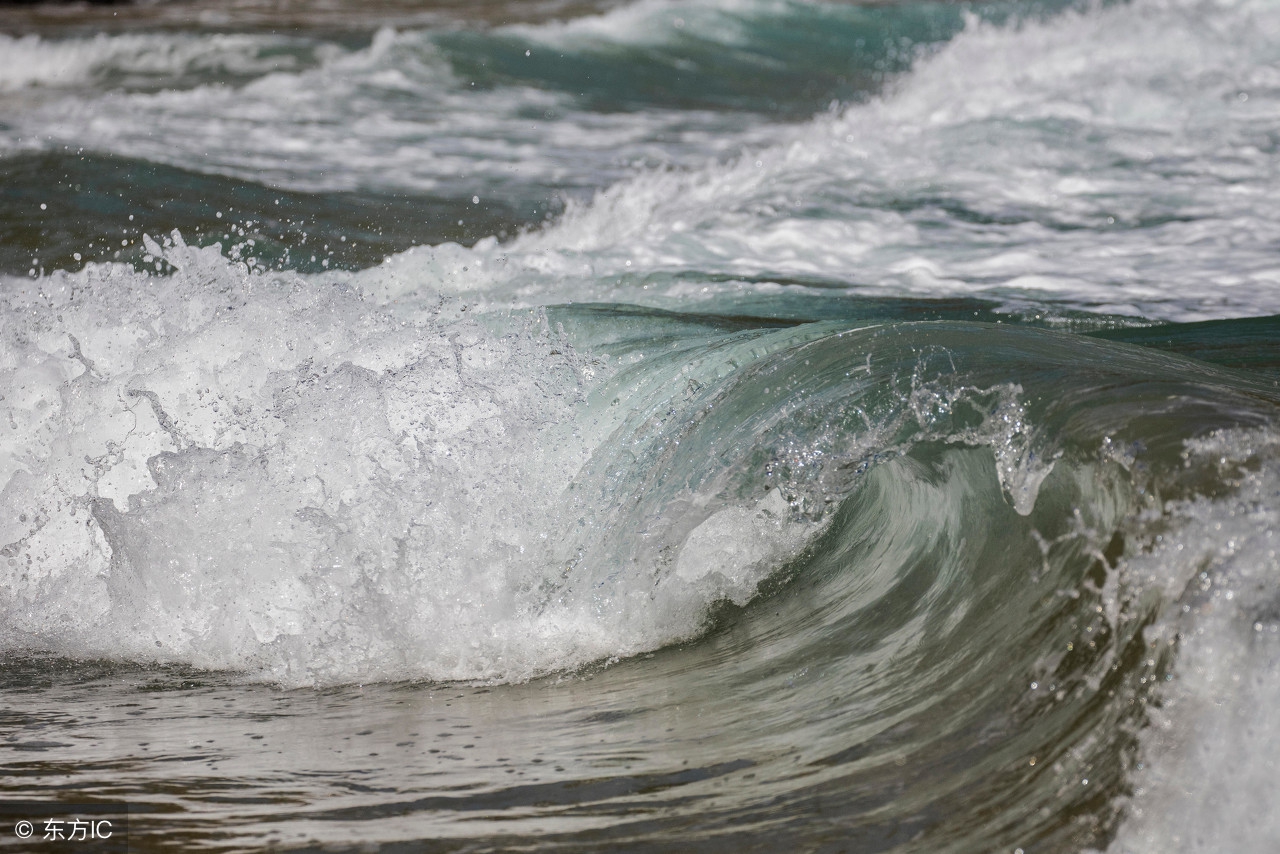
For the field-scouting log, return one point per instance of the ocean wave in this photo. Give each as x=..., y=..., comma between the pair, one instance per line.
x=150, y=61
x=846, y=477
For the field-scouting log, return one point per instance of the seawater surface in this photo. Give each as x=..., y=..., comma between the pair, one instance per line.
x=731, y=425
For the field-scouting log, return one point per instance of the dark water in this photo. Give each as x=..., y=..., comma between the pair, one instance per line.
x=732, y=425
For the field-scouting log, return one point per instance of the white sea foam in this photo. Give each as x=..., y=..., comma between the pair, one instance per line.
x=1206, y=778
x=147, y=60
x=656, y=23
x=391, y=116
x=259, y=472
x=1116, y=161
x=32, y=61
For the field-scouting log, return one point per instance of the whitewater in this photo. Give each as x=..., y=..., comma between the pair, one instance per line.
x=721, y=424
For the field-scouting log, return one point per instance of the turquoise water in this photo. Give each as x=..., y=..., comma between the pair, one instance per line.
x=734, y=425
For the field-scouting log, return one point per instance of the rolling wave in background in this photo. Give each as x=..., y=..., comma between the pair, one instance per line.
x=740, y=424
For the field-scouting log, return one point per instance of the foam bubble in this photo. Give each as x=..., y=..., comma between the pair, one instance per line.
x=1207, y=762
